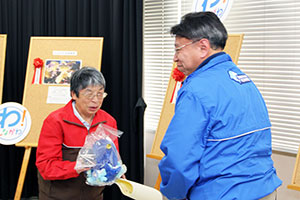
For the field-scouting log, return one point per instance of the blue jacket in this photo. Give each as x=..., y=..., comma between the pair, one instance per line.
x=218, y=144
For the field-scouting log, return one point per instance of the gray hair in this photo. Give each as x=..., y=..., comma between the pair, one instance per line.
x=199, y=25
x=84, y=77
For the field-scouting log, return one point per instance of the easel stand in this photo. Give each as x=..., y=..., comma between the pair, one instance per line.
x=3, y=38
x=23, y=172
x=85, y=49
x=296, y=175
x=158, y=180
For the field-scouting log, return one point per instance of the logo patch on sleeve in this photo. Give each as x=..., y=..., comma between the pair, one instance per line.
x=240, y=78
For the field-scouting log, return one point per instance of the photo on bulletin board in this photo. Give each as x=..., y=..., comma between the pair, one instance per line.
x=60, y=71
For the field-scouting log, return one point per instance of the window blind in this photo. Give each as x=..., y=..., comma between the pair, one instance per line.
x=270, y=55
x=159, y=17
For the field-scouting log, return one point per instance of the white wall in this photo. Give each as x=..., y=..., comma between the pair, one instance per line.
x=283, y=162
x=151, y=169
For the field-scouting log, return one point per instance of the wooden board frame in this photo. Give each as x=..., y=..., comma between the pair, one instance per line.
x=295, y=185
x=233, y=48
x=86, y=49
x=3, y=41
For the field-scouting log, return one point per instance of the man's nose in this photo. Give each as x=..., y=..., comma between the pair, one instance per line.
x=175, y=58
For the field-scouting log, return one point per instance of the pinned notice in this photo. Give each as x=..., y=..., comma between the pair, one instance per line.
x=15, y=123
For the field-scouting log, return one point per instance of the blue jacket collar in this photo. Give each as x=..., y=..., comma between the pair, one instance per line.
x=210, y=62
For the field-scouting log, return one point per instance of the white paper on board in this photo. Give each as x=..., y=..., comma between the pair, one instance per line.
x=58, y=95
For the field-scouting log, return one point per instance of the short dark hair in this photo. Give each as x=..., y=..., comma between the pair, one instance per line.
x=84, y=77
x=198, y=25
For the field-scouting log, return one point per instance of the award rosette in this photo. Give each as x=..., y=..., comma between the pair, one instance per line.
x=37, y=75
x=178, y=76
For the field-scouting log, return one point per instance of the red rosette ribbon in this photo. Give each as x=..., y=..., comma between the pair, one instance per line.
x=178, y=76
x=37, y=75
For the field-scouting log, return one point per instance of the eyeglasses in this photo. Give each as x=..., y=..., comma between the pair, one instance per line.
x=177, y=49
x=90, y=95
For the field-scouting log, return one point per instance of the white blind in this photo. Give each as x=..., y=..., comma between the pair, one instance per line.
x=159, y=17
x=270, y=55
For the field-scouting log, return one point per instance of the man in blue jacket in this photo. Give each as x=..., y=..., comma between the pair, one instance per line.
x=218, y=144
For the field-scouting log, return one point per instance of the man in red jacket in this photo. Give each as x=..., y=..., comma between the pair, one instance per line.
x=63, y=134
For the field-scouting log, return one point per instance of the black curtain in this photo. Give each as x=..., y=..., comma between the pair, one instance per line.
x=120, y=23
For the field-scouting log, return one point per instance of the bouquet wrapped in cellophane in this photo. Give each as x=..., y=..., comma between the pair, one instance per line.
x=100, y=155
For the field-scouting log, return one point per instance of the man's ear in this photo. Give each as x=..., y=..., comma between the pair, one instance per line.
x=73, y=95
x=204, y=47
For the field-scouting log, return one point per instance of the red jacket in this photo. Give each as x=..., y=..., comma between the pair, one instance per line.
x=63, y=131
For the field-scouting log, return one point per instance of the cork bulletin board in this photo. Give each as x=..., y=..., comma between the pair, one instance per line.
x=2, y=62
x=65, y=52
x=233, y=47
